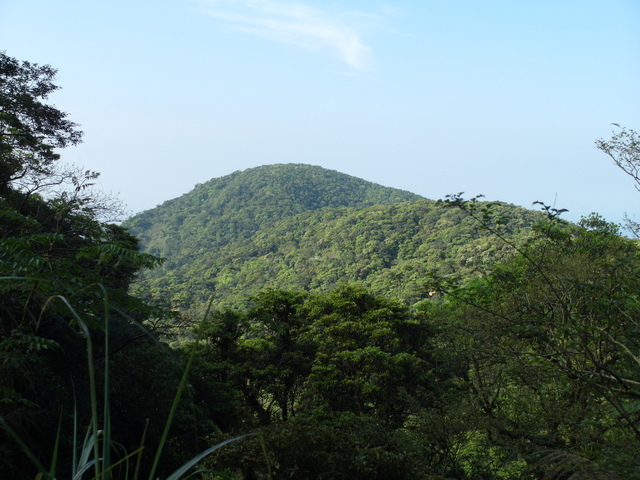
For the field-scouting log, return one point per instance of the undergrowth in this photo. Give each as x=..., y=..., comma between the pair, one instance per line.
x=92, y=457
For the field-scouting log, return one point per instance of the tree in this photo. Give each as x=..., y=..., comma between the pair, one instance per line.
x=331, y=379
x=56, y=251
x=624, y=149
x=550, y=340
x=370, y=356
x=260, y=353
x=30, y=129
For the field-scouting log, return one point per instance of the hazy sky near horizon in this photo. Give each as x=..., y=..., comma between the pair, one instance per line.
x=497, y=97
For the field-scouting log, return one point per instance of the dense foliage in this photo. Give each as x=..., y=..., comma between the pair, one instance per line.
x=346, y=366
x=529, y=372
x=59, y=262
x=550, y=340
x=235, y=237
x=224, y=210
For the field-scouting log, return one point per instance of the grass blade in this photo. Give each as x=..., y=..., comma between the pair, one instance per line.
x=176, y=401
x=184, y=468
x=25, y=449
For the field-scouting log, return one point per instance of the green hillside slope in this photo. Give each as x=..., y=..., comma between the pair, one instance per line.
x=235, y=206
x=303, y=227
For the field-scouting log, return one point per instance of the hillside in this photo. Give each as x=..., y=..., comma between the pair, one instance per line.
x=304, y=227
x=224, y=210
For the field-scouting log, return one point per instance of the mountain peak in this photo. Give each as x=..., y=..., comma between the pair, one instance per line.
x=298, y=187
x=243, y=202
x=297, y=226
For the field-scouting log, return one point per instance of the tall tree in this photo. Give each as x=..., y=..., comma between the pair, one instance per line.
x=30, y=129
x=624, y=149
x=370, y=355
x=551, y=345
x=55, y=251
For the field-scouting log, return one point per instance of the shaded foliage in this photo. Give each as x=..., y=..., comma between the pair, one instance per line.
x=57, y=255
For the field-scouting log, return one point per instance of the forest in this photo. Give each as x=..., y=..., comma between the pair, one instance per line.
x=301, y=227
x=291, y=322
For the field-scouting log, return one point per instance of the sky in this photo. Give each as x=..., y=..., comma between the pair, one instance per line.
x=503, y=98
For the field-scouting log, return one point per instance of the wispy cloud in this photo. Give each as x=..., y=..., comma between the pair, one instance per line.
x=298, y=24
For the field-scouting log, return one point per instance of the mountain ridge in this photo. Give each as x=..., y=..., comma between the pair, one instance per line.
x=294, y=187
x=302, y=227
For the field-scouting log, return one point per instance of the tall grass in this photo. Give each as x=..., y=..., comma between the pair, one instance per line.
x=92, y=458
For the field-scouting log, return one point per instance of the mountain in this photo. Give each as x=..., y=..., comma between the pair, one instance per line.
x=295, y=226
x=238, y=205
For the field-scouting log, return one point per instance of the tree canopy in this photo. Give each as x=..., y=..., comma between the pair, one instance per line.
x=624, y=149
x=30, y=129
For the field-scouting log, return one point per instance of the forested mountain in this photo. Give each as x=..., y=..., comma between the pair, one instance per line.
x=236, y=206
x=303, y=227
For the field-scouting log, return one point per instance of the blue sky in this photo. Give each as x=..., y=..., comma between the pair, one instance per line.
x=501, y=98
